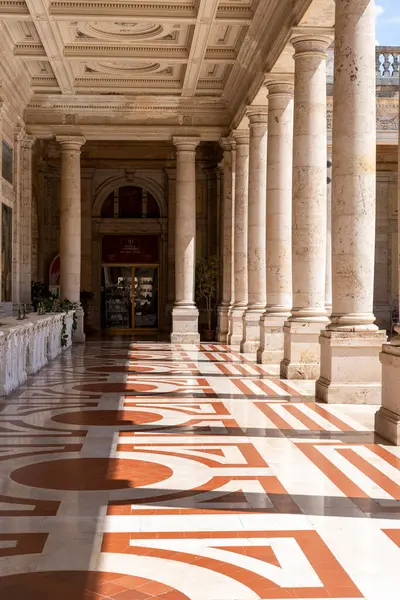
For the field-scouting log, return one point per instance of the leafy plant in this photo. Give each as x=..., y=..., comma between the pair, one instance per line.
x=39, y=292
x=207, y=271
x=64, y=335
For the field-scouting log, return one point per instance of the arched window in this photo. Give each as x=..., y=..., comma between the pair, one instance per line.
x=130, y=202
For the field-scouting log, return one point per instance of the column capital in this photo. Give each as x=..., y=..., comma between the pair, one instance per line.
x=311, y=40
x=257, y=114
x=70, y=142
x=186, y=144
x=241, y=136
x=19, y=132
x=28, y=141
x=227, y=144
x=280, y=86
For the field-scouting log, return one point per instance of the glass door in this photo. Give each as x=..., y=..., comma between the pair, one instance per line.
x=145, y=297
x=117, y=297
x=129, y=297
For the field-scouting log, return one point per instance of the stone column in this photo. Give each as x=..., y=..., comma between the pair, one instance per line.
x=70, y=224
x=185, y=316
x=387, y=419
x=258, y=124
x=301, y=331
x=241, y=137
x=350, y=369
x=228, y=199
x=279, y=220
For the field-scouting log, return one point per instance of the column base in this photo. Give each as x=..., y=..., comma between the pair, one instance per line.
x=223, y=323
x=387, y=425
x=387, y=419
x=251, y=331
x=236, y=326
x=271, y=350
x=301, y=349
x=78, y=336
x=350, y=367
x=185, y=325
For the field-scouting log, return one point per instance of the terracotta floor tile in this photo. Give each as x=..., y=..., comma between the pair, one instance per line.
x=190, y=474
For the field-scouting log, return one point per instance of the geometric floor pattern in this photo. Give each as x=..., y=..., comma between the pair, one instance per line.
x=133, y=471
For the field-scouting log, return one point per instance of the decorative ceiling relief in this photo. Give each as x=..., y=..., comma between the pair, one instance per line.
x=123, y=68
x=119, y=31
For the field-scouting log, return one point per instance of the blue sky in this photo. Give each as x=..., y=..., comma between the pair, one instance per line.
x=388, y=22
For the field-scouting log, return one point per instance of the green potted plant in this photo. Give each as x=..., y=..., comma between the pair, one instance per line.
x=207, y=270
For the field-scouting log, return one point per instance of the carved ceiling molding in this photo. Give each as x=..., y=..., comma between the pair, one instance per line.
x=214, y=50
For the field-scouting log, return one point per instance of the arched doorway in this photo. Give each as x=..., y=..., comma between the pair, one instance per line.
x=129, y=234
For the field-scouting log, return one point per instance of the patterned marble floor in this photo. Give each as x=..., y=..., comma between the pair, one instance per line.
x=138, y=471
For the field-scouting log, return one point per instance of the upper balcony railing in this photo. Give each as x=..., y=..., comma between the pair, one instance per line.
x=388, y=63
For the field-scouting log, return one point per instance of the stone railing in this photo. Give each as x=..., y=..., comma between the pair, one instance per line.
x=388, y=62
x=27, y=346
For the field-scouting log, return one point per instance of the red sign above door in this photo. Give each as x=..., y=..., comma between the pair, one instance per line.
x=130, y=249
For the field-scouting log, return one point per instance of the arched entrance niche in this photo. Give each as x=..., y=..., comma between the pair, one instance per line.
x=129, y=248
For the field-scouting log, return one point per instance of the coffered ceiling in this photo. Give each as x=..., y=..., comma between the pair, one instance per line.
x=174, y=47
x=121, y=65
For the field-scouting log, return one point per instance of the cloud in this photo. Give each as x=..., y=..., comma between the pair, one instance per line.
x=379, y=10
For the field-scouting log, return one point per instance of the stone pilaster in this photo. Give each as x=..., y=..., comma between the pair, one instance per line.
x=185, y=315
x=19, y=135
x=256, y=241
x=241, y=137
x=228, y=146
x=4, y=309
x=171, y=187
x=22, y=217
x=279, y=220
x=301, y=331
x=350, y=346
x=26, y=219
x=70, y=225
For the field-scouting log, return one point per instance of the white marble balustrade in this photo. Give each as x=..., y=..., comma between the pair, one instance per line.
x=27, y=346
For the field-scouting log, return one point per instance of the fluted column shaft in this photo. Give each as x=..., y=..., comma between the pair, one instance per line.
x=241, y=137
x=185, y=313
x=279, y=219
x=301, y=355
x=258, y=124
x=350, y=347
x=228, y=199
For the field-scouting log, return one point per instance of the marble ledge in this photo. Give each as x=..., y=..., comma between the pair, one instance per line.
x=27, y=346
